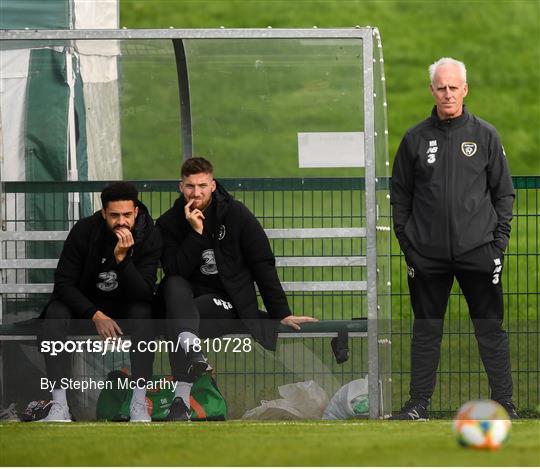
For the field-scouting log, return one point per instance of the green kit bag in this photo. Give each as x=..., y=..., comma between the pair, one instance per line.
x=111, y=398
x=206, y=402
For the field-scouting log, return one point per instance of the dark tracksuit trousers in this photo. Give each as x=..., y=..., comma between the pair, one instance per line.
x=478, y=273
x=135, y=320
x=189, y=308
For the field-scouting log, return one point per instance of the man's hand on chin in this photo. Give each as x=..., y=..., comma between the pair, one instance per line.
x=125, y=242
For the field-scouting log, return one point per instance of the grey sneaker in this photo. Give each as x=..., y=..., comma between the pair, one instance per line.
x=58, y=413
x=138, y=413
x=9, y=414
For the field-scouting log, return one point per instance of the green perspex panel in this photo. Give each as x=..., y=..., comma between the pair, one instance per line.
x=38, y=14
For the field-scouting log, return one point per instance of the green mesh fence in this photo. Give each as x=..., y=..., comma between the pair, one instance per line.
x=246, y=379
x=461, y=375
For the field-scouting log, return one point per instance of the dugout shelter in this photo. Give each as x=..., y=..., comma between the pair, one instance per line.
x=294, y=121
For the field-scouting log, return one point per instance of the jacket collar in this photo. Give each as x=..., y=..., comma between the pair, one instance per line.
x=223, y=200
x=143, y=223
x=450, y=123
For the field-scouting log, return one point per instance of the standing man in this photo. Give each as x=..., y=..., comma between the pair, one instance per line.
x=213, y=250
x=104, y=282
x=452, y=200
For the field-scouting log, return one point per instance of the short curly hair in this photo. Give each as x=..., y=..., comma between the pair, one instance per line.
x=119, y=190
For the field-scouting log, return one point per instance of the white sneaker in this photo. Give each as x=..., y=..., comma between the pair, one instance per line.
x=59, y=413
x=139, y=413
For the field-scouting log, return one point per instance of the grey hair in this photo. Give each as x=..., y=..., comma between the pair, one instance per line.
x=447, y=61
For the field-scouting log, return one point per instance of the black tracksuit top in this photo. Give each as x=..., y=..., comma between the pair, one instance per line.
x=243, y=255
x=80, y=262
x=451, y=188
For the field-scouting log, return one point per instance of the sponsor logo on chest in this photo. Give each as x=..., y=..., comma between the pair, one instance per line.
x=108, y=281
x=208, y=265
x=432, y=151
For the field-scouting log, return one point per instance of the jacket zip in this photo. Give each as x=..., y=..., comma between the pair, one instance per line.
x=449, y=184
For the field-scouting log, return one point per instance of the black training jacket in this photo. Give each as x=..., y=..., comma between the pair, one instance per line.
x=451, y=188
x=243, y=256
x=79, y=263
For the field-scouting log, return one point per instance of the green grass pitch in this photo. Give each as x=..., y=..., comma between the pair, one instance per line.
x=236, y=443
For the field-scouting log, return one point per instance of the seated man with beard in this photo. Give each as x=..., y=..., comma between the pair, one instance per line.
x=214, y=249
x=104, y=282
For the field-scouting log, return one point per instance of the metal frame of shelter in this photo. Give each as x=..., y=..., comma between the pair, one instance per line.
x=369, y=39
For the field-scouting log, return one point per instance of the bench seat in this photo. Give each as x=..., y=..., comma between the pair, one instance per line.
x=331, y=328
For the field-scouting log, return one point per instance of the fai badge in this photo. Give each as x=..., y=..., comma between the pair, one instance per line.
x=221, y=232
x=468, y=148
x=410, y=271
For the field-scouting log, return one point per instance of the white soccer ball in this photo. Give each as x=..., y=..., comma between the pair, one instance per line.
x=482, y=425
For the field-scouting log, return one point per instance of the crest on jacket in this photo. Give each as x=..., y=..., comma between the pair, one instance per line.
x=468, y=148
x=221, y=232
